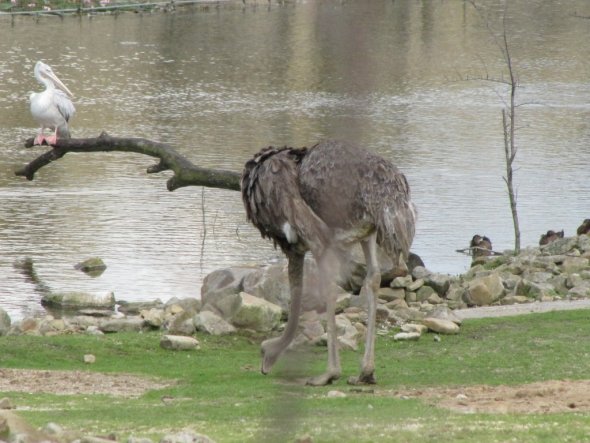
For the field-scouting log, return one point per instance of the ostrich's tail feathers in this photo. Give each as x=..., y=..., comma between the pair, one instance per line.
x=273, y=203
x=395, y=225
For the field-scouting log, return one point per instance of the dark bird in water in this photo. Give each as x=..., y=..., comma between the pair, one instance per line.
x=325, y=199
x=480, y=246
x=53, y=107
x=550, y=236
x=584, y=228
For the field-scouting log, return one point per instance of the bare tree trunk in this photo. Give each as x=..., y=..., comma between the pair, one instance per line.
x=510, y=152
x=508, y=117
x=185, y=172
x=508, y=122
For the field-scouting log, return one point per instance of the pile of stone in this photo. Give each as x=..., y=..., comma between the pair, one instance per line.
x=255, y=298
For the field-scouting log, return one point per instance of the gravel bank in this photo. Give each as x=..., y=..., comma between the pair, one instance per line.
x=525, y=308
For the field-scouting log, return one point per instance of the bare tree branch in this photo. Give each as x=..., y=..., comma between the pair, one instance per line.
x=508, y=113
x=185, y=172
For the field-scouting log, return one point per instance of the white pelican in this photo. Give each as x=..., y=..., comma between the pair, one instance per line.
x=51, y=108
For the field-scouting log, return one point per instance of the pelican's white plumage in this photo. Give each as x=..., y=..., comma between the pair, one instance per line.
x=51, y=108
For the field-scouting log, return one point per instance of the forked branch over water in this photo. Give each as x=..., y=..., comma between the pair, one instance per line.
x=185, y=172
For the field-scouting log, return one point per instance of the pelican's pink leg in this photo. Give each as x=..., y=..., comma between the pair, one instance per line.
x=51, y=140
x=40, y=138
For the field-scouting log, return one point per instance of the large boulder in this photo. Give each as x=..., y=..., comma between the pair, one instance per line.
x=223, y=282
x=484, y=291
x=255, y=313
x=270, y=283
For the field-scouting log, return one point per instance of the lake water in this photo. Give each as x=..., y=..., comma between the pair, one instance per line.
x=220, y=83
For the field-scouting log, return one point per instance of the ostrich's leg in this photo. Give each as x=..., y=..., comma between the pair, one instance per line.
x=371, y=286
x=272, y=348
x=334, y=370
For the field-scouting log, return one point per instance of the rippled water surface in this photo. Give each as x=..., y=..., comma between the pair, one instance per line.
x=221, y=83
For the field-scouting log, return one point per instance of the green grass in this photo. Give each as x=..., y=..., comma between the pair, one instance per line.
x=219, y=391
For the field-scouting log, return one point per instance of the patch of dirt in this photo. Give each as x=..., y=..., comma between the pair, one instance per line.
x=533, y=398
x=77, y=382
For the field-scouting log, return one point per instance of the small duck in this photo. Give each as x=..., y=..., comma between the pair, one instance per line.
x=550, y=236
x=480, y=246
x=584, y=227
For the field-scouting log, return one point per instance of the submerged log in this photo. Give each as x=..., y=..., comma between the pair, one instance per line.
x=185, y=172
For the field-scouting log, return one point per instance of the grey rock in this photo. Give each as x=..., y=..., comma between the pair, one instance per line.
x=255, y=313
x=271, y=283
x=424, y=293
x=414, y=327
x=397, y=304
x=182, y=323
x=420, y=272
x=128, y=324
x=390, y=294
x=515, y=299
x=211, y=323
x=444, y=313
x=79, y=300
x=484, y=291
x=52, y=326
x=434, y=299
x=574, y=264
x=409, y=314
x=441, y=326
x=415, y=285
x=93, y=266
x=153, y=317
x=134, y=308
x=190, y=305
x=579, y=292
x=406, y=336
x=560, y=246
x=534, y=290
x=229, y=281
x=401, y=282
x=439, y=282
x=178, y=342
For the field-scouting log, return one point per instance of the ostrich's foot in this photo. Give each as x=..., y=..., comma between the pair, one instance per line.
x=363, y=379
x=324, y=379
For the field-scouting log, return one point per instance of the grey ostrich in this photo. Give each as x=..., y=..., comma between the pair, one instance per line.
x=324, y=199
